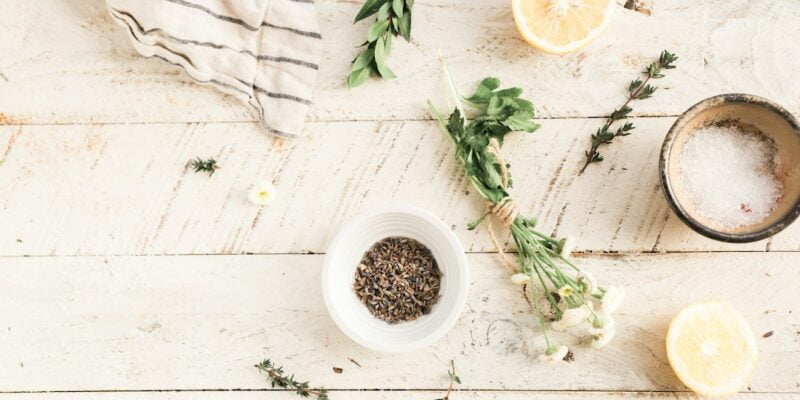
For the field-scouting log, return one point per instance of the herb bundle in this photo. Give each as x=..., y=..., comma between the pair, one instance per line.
x=277, y=378
x=201, y=165
x=560, y=293
x=637, y=90
x=393, y=19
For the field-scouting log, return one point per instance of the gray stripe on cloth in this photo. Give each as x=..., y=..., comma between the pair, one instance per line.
x=242, y=23
x=210, y=12
x=188, y=60
x=276, y=95
x=314, y=35
x=259, y=57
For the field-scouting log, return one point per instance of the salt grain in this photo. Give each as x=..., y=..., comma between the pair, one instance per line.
x=729, y=175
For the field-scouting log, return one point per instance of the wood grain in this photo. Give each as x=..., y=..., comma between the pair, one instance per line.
x=201, y=322
x=381, y=395
x=125, y=189
x=72, y=55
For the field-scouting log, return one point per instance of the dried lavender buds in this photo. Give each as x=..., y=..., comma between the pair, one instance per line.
x=398, y=280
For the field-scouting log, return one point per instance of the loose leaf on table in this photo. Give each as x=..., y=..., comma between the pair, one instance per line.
x=392, y=18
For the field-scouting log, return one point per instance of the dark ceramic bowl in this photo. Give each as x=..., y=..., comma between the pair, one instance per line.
x=750, y=112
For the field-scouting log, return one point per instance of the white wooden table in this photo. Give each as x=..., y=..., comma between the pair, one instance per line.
x=125, y=275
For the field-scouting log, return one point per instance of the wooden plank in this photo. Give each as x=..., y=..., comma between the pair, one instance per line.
x=125, y=189
x=200, y=322
x=67, y=62
x=378, y=395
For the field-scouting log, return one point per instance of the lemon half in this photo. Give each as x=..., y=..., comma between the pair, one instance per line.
x=712, y=349
x=561, y=26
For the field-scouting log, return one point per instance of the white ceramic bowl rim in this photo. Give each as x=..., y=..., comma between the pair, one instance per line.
x=346, y=250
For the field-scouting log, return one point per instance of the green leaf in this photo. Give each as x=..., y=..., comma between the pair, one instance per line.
x=388, y=45
x=383, y=12
x=405, y=26
x=357, y=77
x=370, y=7
x=363, y=59
x=484, y=91
x=397, y=7
x=409, y=4
x=377, y=30
x=521, y=120
x=380, y=60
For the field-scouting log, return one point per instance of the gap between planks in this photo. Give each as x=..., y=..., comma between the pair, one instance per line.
x=576, y=254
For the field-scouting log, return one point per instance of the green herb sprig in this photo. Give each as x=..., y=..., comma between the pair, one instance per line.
x=454, y=379
x=277, y=378
x=637, y=90
x=393, y=19
x=561, y=294
x=201, y=165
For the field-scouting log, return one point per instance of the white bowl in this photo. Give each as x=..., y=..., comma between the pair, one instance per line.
x=347, y=249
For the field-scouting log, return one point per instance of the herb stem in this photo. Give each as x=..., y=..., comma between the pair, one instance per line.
x=278, y=378
x=593, y=152
x=637, y=90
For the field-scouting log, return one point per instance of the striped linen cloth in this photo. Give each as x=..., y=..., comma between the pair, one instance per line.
x=265, y=52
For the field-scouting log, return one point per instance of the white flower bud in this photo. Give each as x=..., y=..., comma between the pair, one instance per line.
x=262, y=193
x=571, y=317
x=612, y=299
x=602, y=336
x=586, y=282
x=520, y=279
x=554, y=353
x=567, y=247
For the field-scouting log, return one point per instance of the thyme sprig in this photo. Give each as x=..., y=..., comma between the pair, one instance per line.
x=278, y=378
x=543, y=268
x=209, y=165
x=393, y=19
x=454, y=379
x=638, y=89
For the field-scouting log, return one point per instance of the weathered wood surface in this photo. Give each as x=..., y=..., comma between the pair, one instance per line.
x=75, y=57
x=93, y=170
x=379, y=395
x=200, y=322
x=125, y=189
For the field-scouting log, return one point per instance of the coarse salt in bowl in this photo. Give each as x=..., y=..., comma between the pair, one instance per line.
x=730, y=168
x=346, y=251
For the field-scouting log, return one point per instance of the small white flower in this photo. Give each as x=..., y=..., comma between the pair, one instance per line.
x=586, y=282
x=520, y=279
x=554, y=353
x=612, y=299
x=602, y=336
x=571, y=317
x=262, y=193
x=565, y=291
x=567, y=247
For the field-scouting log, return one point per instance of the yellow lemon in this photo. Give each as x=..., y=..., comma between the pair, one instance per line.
x=561, y=26
x=711, y=348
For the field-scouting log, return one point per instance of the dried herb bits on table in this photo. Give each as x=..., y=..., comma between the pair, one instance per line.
x=398, y=280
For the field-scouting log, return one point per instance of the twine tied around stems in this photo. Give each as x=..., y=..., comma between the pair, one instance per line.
x=505, y=210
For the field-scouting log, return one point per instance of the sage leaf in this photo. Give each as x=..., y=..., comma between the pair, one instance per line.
x=380, y=60
x=363, y=59
x=358, y=77
x=383, y=12
x=370, y=7
x=377, y=30
x=397, y=7
x=405, y=26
